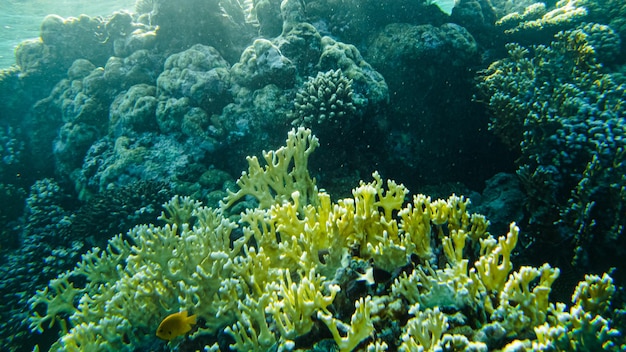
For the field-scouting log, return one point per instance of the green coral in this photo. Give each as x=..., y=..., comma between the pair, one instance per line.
x=278, y=273
x=134, y=284
x=537, y=18
x=607, y=12
x=563, y=111
x=324, y=99
x=584, y=327
x=286, y=171
x=360, y=327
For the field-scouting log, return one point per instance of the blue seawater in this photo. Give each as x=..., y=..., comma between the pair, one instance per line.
x=21, y=19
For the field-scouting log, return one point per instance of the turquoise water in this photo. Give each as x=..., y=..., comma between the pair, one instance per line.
x=20, y=19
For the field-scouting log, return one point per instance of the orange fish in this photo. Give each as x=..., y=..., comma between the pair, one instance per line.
x=175, y=325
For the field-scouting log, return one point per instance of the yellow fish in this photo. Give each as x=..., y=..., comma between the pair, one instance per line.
x=175, y=325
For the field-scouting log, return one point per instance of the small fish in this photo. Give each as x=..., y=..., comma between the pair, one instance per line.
x=175, y=325
x=368, y=276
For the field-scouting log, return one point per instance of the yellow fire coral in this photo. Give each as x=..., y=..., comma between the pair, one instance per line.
x=278, y=276
x=285, y=172
x=294, y=304
x=524, y=301
x=594, y=294
x=165, y=269
x=582, y=327
x=360, y=327
x=424, y=330
x=494, y=264
x=251, y=331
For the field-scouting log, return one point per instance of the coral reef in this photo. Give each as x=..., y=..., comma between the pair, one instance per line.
x=217, y=23
x=370, y=87
x=564, y=112
x=63, y=40
x=609, y=12
x=261, y=64
x=325, y=99
x=127, y=35
x=538, y=22
x=272, y=276
x=426, y=68
x=43, y=253
x=193, y=85
x=9, y=218
x=53, y=233
x=104, y=117
x=116, y=210
x=11, y=151
x=268, y=15
x=504, y=7
x=269, y=75
x=83, y=99
x=501, y=201
x=133, y=111
x=210, y=84
x=116, y=162
x=140, y=67
x=423, y=47
x=352, y=20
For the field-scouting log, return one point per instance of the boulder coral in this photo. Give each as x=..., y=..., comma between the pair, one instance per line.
x=216, y=23
x=134, y=111
x=195, y=78
x=261, y=64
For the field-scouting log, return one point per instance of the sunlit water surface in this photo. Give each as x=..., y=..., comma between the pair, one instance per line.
x=20, y=19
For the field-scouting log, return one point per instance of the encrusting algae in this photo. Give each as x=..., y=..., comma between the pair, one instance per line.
x=282, y=280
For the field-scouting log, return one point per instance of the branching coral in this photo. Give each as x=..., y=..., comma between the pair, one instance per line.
x=424, y=330
x=594, y=294
x=608, y=12
x=360, y=327
x=59, y=299
x=137, y=284
x=251, y=331
x=286, y=171
x=494, y=264
x=524, y=298
x=558, y=104
x=324, y=99
x=280, y=277
x=537, y=19
x=293, y=304
x=583, y=327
